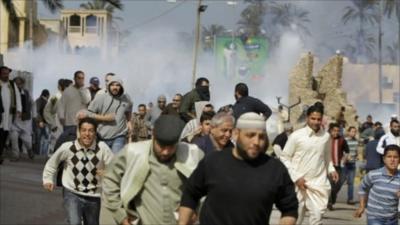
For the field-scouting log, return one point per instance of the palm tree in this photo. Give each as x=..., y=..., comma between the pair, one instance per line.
x=392, y=55
x=393, y=7
x=52, y=5
x=252, y=18
x=102, y=5
x=364, y=12
x=287, y=16
x=208, y=34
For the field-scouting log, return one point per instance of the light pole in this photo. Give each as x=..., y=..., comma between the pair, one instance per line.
x=200, y=8
x=233, y=4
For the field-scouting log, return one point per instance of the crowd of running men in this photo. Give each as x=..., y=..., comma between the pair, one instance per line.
x=189, y=162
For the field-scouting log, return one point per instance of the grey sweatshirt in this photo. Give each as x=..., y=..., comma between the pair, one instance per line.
x=107, y=103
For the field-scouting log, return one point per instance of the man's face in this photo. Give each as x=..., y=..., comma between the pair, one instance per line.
x=391, y=160
x=164, y=153
x=19, y=83
x=395, y=128
x=87, y=134
x=176, y=101
x=222, y=133
x=251, y=143
x=115, y=88
x=369, y=119
x=208, y=109
x=334, y=132
x=108, y=78
x=205, y=83
x=314, y=121
x=205, y=127
x=4, y=74
x=80, y=80
x=161, y=103
x=94, y=87
x=352, y=132
x=142, y=111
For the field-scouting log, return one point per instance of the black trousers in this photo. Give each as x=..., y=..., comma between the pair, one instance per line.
x=335, y=187
x=3, y=138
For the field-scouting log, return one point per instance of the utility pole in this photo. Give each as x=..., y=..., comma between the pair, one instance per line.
x=31, y=11
x=200, y=8
x=380, y=52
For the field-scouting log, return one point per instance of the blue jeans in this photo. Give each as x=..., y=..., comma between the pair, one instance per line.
x=116, y=144
x=350, y=172
x=382, y=221
x=80, y=207
x=44, y=140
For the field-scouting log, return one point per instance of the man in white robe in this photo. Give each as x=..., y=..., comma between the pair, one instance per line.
x=308, y=159
x=10, y=106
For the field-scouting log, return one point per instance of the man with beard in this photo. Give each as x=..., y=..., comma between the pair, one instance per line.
x=146, y=178
x=220, y=134
x=85, y=159
x=200, y=93
x=242, y=183
x=307, y=156
x=10, y=106
x=21, y=129
x=173, y=107
x=113, y=110
x=141, y=127
x=155, y=112
x=74, y=98
x=245, y=103
x=391, y=138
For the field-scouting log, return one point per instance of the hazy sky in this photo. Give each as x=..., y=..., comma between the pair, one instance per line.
x=144, y=15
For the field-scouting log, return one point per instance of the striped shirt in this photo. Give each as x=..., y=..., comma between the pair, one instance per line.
x=382, y=197
x=353, y=146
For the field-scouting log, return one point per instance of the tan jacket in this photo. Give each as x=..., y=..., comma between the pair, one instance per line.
x=125, y=177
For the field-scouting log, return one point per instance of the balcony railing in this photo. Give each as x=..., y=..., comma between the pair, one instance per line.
x=91, y=29
x=74, y=29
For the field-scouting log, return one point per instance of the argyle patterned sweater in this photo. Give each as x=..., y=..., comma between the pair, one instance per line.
x=80, y=167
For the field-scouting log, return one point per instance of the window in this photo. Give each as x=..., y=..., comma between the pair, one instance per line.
x=75, y=20
x=91, y=24
x=91, y=21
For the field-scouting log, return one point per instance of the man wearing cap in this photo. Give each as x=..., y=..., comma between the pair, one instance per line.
x=390, y=138
x=94, y=86
x=145, y=180
x=242, y=183
x=113, y=111
x=10, y=106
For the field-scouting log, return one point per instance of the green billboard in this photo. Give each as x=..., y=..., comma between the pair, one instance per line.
x=241, y=58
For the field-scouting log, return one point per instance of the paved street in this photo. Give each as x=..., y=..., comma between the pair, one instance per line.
x=24, y=201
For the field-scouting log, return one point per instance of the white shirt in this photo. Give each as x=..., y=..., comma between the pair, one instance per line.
x=6, y=99
x=307, y=154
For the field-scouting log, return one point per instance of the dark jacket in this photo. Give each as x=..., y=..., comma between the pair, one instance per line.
x=169, y=110
x=374, y=159
x=26, y=103
x=40, y=104
x=250, y=104
x=206, y=144
x=187, y=105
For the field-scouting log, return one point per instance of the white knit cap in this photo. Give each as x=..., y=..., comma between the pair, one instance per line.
x=251, y=120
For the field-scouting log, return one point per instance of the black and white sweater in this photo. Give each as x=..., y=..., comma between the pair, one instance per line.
x=80, y=167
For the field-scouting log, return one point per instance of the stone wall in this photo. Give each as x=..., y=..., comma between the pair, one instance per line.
x=325, y=87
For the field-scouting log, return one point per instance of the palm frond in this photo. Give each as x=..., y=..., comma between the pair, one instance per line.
x=53, y=5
